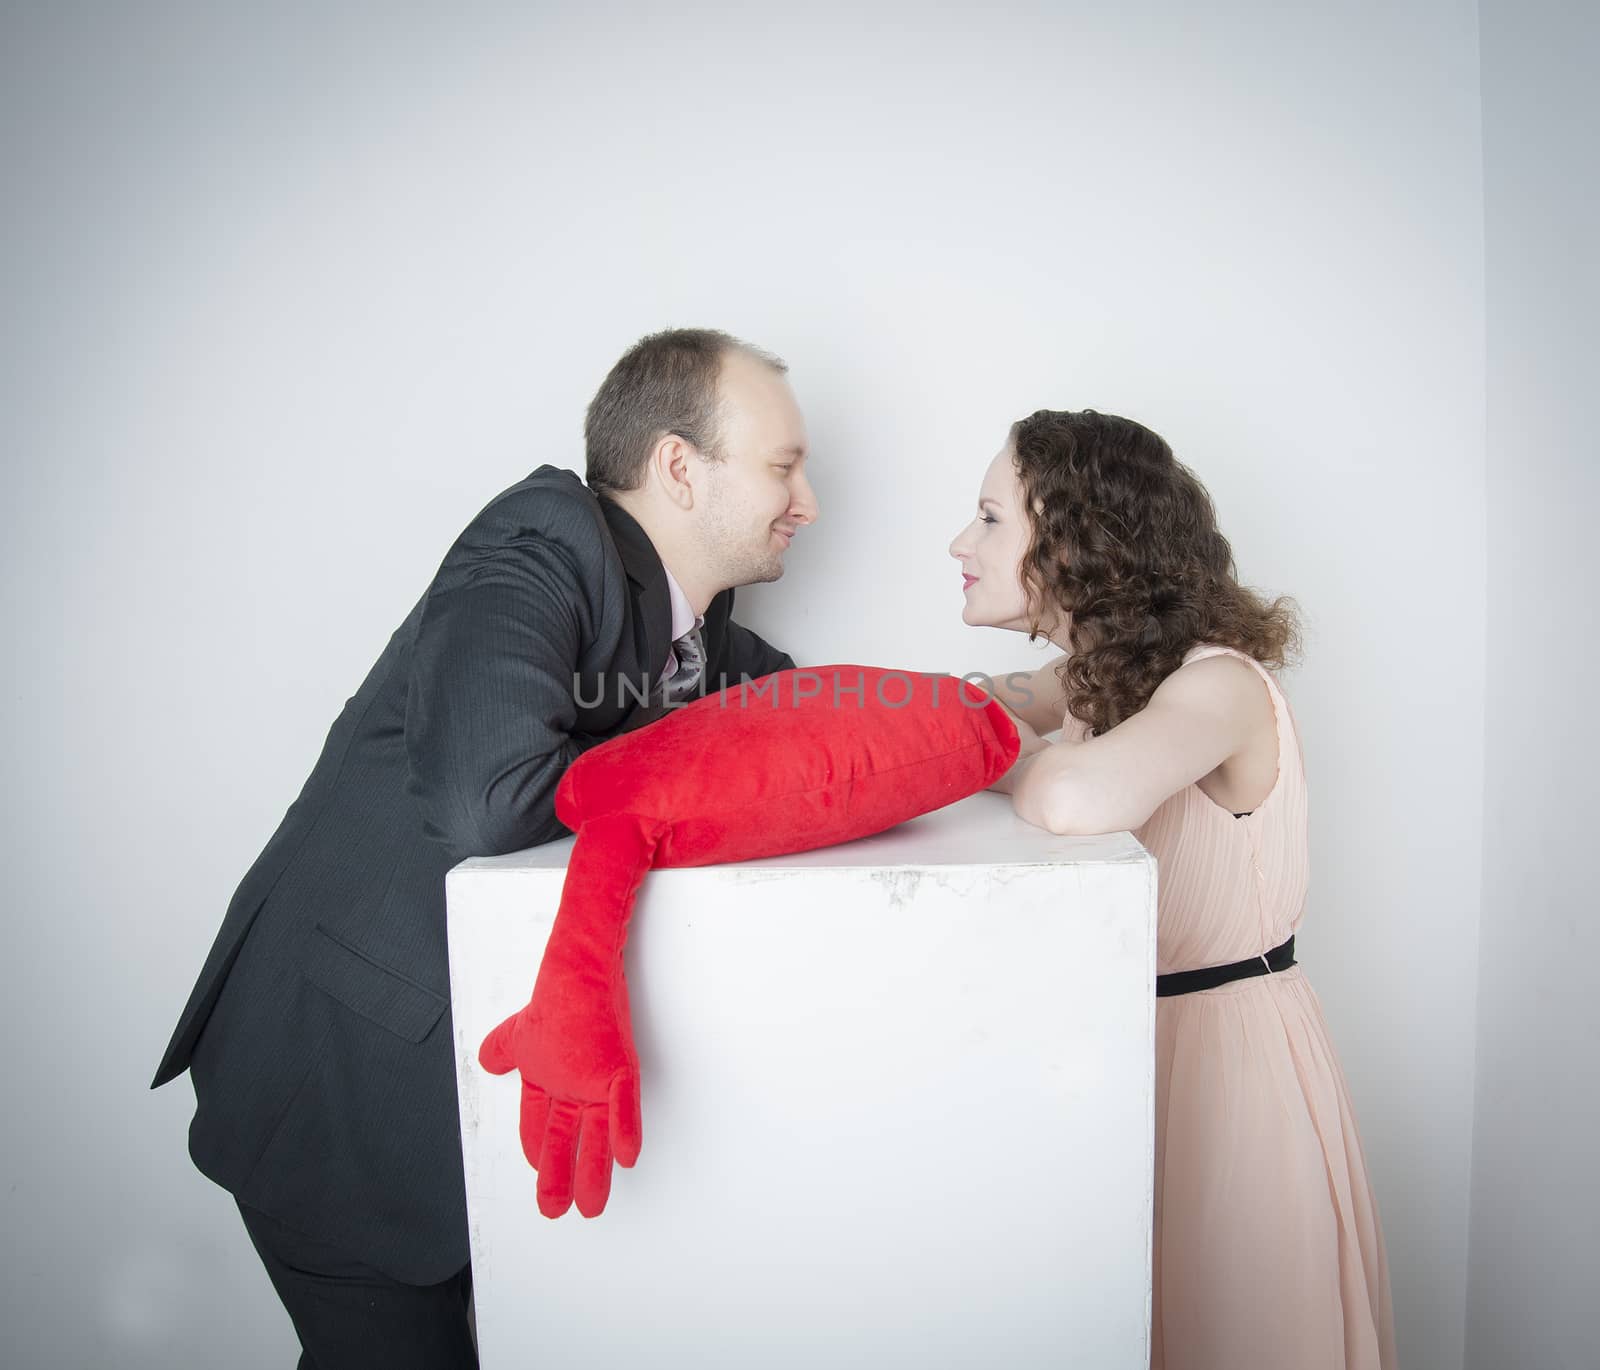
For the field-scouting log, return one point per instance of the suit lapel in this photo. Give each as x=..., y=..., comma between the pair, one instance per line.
x=647, y=586
x=652, y=609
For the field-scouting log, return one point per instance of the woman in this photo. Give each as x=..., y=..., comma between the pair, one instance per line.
x=1268, y=1251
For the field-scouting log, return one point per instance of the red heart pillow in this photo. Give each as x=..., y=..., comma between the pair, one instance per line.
x=794, y=761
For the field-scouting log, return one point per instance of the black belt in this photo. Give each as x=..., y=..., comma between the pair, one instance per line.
x=1188, y=981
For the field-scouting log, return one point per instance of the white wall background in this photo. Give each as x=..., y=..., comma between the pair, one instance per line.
x=289, y=295
x=1535, y=1202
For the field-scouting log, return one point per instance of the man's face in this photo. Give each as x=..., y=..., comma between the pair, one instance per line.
x=757, y=495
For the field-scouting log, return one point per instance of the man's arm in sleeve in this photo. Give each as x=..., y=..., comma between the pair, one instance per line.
x=489, y=709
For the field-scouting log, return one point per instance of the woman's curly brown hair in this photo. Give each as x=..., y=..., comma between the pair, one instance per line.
x=1125, y=539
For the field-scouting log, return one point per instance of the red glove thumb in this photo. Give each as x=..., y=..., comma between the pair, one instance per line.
x=495, y=1054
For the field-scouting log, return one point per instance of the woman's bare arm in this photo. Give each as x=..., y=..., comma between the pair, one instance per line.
x=1200, y=716
x=1036, y=697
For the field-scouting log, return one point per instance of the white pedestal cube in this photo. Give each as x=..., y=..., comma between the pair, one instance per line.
x=897, y=1104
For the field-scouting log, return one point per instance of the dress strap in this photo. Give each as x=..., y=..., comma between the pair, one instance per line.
x=1289, y=753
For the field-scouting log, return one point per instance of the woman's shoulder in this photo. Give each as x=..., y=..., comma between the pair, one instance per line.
x=1219, y=679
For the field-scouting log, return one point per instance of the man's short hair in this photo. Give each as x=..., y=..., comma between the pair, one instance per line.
x=665, y=383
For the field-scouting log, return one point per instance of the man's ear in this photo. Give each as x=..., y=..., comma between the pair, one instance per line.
x=669, y=469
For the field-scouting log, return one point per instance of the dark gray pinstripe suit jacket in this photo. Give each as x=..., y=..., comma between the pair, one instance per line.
x=318, y=1035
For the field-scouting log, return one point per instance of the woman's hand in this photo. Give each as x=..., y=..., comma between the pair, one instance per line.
x=1032, y=745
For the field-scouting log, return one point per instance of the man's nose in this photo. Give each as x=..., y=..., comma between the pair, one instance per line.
x=803, y=505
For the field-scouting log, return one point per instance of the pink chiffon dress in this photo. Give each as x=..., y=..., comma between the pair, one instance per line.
x=1268, y=1252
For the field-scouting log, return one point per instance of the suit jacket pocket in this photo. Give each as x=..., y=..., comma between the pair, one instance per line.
x=377, y=993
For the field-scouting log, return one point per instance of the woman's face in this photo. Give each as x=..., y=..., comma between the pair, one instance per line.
x=990, y=550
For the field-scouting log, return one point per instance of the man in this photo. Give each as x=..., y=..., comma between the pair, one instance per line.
x=318, y=1036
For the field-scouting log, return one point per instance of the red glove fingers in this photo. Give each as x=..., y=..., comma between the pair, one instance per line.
x=594, y=1161
x=626, y=1126
x=557, y=1158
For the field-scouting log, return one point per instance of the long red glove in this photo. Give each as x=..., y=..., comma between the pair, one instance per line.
x=573, y=1042
x=799, y=760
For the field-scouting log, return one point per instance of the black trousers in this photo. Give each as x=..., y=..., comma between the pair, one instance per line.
x=352, y=1317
